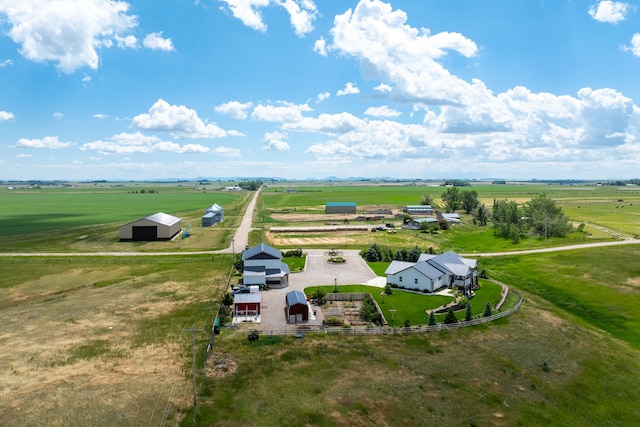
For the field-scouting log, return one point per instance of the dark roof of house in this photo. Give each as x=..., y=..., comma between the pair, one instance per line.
x=261, y=249
x=296, y=297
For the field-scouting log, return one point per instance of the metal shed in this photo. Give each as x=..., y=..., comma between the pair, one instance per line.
x=297, y=308
x=159, y=226
x=340, y=207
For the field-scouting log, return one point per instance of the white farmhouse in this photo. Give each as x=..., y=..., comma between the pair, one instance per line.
x=433, y=272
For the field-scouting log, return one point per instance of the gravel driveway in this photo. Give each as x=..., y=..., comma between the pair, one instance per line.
x=317, y=272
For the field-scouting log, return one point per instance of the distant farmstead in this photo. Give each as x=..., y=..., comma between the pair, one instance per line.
x=160, y=226
x=340, y=207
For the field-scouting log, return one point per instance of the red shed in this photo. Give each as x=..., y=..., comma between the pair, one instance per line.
x=297, y=309
x=247, y=305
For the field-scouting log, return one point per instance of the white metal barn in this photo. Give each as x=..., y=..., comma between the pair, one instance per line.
x=160, y=226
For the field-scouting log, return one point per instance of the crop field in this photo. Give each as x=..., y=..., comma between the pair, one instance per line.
x=607, y=212
x=87, y=219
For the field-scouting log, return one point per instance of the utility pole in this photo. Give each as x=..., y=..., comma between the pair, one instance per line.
x=193, y=331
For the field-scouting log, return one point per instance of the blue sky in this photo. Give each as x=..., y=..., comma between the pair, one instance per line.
x=104, y=89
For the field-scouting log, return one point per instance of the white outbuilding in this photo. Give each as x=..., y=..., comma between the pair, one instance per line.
x=159, y=226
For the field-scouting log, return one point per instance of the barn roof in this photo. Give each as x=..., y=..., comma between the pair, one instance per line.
x=247, y=298
x=259, y=249
x=340, y=203
x=162, y=218
x=296, y=297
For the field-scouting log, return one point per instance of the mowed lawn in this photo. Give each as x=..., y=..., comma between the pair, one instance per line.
x=415, y=306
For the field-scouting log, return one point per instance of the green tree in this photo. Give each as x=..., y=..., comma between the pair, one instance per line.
x=545, y=218
x=482, y=215
x=507, y=218
x=468, y=313
x=487, y=310
x=413, y=255
x=450, y=317
x=227, y=299
x=426, y=200
x=469, y=200
x=451, y=199
x=432, y=319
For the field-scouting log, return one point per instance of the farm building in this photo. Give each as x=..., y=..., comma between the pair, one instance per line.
x=418, y=209
x=212, y=215
x=247, y=306
x=433, y=272
x=263, y=266
x=297, y=308
x=453, y=218
x=160, y=226
x=414, y=223
x=340, y=207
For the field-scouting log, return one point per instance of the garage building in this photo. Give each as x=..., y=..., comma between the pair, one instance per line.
x=297, y=308
x=160, y=226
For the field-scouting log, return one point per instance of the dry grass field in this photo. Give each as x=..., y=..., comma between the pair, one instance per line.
x=102, y=342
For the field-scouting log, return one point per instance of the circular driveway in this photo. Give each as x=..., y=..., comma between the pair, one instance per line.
x=317, y=272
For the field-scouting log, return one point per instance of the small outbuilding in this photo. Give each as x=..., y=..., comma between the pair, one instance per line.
x=246, y=306
x=340, y=207
x=297, y=308
x=159, y=226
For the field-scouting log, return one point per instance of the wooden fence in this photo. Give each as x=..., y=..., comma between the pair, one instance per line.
x=387, y=330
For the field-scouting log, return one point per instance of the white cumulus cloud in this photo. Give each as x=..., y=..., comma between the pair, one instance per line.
x=281, y=112
x=138, y=143
x=50, y=142
x=610, y=12
x=382, y=111
x=155, y=41
x=404, y=56
x=275, y=141
x=5, y=115
x=180, y=121
x=66, y=32
x=235, y=109
x=349, y=89
x=302, y=13
x=320, y=46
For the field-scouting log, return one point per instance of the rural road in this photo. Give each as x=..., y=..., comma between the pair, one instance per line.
x=241, y=239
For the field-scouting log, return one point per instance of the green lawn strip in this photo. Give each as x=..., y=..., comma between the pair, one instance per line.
x=295, y=264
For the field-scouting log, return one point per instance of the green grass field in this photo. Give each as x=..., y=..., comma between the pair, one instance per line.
x=45, y=209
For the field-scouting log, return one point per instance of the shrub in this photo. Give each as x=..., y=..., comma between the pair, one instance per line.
x=432, y=319
x=450, y=317
x=320, y=295
x=332, y=321
x=407, y=323
x=468, y=313
x=487, y=310
x=388, y=289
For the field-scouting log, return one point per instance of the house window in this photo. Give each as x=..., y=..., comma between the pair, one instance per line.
x=415, y=281
x=401, y=278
